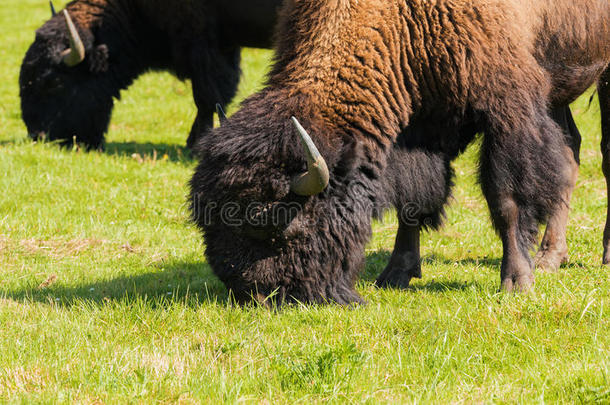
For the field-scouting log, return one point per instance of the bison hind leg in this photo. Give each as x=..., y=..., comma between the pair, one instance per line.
x=523, y=174
x=553, y=251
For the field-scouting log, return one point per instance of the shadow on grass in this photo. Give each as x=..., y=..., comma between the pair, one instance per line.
x=376, y=262
x=436, y=286
x=175, y=153
x=193, y=283
x=147, y=151
x=189, y=282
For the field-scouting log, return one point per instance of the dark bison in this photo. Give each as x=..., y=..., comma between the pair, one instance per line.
x=278, y=221
x=82, y=58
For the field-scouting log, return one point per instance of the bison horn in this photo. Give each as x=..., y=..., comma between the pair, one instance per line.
x=76, y=53
x=315, y=180
x=53, y=13
x=222, y=117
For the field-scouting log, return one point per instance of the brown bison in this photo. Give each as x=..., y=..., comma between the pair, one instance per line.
x=291, y=221
x=247, y=23
x=82, y=58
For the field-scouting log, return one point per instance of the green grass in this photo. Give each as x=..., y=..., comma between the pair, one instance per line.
x=105, y=295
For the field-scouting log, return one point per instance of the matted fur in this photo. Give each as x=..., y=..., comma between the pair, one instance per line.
x=359, y=73
x=199, y=40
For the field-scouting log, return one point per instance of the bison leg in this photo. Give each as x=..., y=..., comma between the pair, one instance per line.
x=553, y=250
x=203, y=122
x=604, y=103
x=405, y=261
x=215, y=76
x=523, y=174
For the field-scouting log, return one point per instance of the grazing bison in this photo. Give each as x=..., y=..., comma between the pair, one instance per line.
x=84, y=56
x=285, y=220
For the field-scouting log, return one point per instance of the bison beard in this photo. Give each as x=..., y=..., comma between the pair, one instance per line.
x=358, y=74
x=73, y=99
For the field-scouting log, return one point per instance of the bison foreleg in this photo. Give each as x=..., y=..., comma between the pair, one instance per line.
x=523, y=174
x=215, y=76
x=203, y=122
x=405, y=261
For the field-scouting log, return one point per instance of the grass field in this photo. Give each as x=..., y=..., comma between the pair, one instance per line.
x=105, y=294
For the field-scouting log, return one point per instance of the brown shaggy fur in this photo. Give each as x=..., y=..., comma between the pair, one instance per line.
x=373, y=64
x=358, y=74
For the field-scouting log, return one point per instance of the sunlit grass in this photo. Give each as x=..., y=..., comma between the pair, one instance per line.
x=105, y=294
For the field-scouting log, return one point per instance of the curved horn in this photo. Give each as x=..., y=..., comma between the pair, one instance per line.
x=222, y=117
x=316, y=178
x=76, y=53
x=53, y=13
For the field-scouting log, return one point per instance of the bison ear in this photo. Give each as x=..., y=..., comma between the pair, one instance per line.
x=98, y=59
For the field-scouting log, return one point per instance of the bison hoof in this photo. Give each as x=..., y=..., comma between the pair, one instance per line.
x=549, y=261
x=520, y=284
x=395, y=277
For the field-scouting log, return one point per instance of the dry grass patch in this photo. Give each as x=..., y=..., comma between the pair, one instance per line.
x=60, y=249
x=20, y=379
x=161, y=365
x=48, y=282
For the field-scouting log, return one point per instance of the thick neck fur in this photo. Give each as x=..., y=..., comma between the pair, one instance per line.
x=317, y=58
x=110, y=24
x=369, y=66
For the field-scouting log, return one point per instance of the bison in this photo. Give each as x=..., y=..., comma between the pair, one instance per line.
x=82, y=58
x=48, y=110
x=285, y=220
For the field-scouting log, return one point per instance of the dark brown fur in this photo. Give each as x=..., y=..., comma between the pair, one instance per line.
x=359, y=73
x=198, y=40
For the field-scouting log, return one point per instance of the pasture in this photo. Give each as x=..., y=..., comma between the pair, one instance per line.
x=106, y=297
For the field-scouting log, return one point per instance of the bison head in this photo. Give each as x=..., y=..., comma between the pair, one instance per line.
x=278, y=219
x=63, y=96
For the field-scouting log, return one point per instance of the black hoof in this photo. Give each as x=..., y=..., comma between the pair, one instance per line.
x=393, y=277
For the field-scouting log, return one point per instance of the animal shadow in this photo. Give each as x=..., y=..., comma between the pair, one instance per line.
x=145, y=151
x=189, y=282
x=150, y=151
x=376, y=262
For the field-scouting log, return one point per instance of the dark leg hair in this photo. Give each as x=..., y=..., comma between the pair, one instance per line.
x=405, y=261
x=215, y=76
x=421, y=186
x=553, y=251
x=603, y=91
x=523, y=174
x=203, y=122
